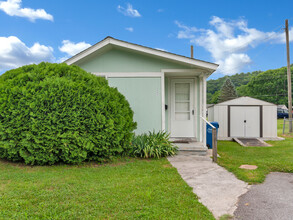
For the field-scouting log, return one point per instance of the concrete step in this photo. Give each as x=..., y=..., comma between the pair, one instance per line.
x=192, y=148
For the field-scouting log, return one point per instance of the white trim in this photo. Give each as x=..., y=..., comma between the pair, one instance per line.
x=163, y=101
x=204, y=99
x=195, y=107
x=87, y=52
x=169, y=104
x=151, y=51
x=200, y=108
x=129, y=74
x=180, y=71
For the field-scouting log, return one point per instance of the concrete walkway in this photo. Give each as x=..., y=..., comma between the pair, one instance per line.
x=271, y=200
x=216, y=188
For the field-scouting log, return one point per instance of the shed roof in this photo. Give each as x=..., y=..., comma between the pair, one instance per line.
x=110, y=42
x=245, y=100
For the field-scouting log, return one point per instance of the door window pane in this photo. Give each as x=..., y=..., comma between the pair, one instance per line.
x=182, y=116
x=182, y=101
x=182, y=106
x=182, y=96
x=182, y=91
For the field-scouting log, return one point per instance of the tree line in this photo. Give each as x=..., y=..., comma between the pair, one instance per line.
x=270, y=86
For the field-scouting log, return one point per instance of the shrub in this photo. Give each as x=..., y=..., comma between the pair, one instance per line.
x=153, y=144
x=53, y=113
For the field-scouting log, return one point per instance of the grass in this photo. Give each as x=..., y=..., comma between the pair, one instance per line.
x=125, y=189
x=278, y=158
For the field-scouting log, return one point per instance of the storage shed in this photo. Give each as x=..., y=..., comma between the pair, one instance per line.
x=245, y=117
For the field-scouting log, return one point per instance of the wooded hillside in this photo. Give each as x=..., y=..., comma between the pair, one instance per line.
x=270, y=85
x=214, y=86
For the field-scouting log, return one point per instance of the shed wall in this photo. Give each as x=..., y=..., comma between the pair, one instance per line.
x=221, y=116
x=269, y=121
x=144, y=97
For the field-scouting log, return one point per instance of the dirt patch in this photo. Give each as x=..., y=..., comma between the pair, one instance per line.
x=167, y=166
x=4, y=184
x=287, y=135
x=51, y=189
x=248, y=167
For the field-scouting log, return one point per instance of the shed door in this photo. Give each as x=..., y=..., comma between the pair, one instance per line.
x=245, y=121
x=182, y=108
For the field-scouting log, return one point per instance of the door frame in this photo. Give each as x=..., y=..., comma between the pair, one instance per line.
x=195, y=102
x=260, y=117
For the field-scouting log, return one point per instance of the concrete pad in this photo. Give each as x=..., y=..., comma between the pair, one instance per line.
x=248, y=167
x=251, y=142
x=216, y=188
x=273, y=139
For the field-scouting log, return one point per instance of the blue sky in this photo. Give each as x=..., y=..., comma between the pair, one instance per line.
x=242, y=36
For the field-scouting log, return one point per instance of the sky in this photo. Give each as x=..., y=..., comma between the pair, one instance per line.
x=240, y=36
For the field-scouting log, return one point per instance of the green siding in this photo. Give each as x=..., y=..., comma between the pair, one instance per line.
x=145, y=99
x=118, y=60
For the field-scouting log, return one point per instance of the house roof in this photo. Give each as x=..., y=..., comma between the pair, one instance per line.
x=245, y=100
x=282, y=106
x=110, y=41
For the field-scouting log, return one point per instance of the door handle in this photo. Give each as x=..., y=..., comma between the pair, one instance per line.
x=192, y=112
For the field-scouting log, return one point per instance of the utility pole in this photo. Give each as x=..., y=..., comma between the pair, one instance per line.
x=289, y=76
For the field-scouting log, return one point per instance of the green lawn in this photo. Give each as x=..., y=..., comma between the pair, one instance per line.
x=125, y=189
x=268, y=159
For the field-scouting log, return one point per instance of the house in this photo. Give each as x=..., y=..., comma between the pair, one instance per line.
x=245, y=117
x=166, y=91
x=283, y=107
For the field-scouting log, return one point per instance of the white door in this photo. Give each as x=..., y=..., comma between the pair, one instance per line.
x=245, y=121
x=182, y=108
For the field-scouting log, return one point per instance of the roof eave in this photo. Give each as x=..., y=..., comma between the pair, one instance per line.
x=194, y=62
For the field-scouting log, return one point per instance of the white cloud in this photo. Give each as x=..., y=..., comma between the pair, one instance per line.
x=130, y=29
x=186, y=32
x=229, y=41
x=160, y=10
x=13, y=8
x=129, y=11
x=234, y=61
x=14, y=53
x=73, y=48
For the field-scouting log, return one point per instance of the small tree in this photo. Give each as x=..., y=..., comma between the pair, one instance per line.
x=228, y=91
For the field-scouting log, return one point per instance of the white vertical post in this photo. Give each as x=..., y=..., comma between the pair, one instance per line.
x=204, y=107
x=163, y=101
x=197, y=114
x=200, y=107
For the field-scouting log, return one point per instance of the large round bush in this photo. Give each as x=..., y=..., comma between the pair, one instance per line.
x=53, y=113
